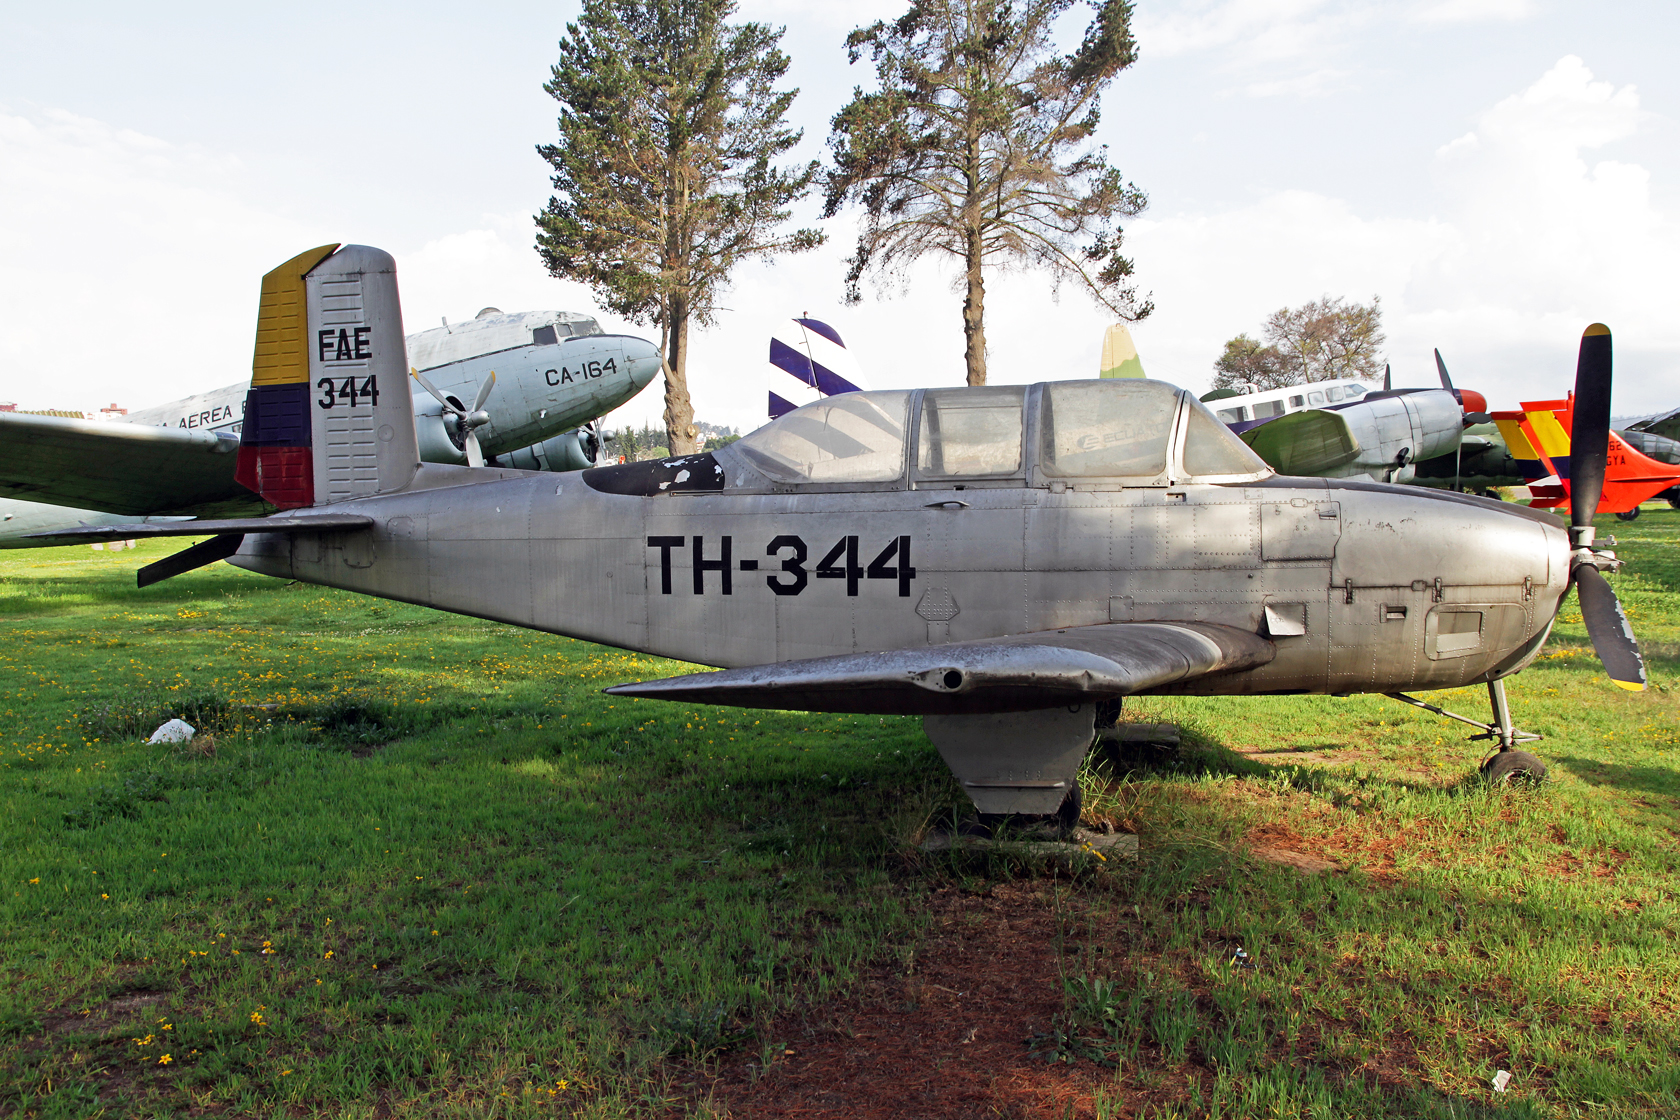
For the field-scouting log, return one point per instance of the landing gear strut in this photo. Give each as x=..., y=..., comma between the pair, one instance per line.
x=1507, y=764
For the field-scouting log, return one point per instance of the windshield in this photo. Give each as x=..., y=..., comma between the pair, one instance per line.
x=1211, y=450
x=853, y=437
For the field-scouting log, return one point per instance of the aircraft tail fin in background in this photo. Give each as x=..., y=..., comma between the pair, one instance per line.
x=808, y=360
x=329, y=416
x=1539, y=438
x=1119, y=354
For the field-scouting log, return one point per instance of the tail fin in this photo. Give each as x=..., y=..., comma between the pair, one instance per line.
x=1539, y=440
x=329, y=416
x=808, y=360
x=1119, y=354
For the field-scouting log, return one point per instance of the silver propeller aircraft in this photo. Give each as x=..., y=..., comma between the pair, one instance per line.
x=536, y=381
x=1340, y=429
x=1004, y=561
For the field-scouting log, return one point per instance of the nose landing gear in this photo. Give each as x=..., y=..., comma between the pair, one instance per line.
x=1508, y=765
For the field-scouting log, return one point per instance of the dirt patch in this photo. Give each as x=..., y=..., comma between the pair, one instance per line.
x=1278, y=843
x=100, y=1018
x=943, y=1037
x=1300, y=861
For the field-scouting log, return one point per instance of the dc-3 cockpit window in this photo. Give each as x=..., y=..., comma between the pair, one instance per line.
x=853, y=437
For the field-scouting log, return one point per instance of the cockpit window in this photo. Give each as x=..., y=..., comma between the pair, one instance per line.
x=1353, y=392
x=852, y=437
x=1113, y=428
x=970, y=433
x=1334, y=392
x=1211, y=450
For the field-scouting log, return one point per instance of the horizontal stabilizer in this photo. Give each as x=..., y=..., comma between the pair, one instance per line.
x=321, y=523
x=1304, y=443
x=1020, y=673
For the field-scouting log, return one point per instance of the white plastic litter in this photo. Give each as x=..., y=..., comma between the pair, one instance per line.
x=175, y=731
x=1500, y=1080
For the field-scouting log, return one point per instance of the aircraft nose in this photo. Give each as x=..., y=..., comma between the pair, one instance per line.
x=641, y=357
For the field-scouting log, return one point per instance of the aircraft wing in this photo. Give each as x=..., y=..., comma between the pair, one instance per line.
x=1662, y=424
x=132, y=469
x=1304, y=443
x=1019, y=673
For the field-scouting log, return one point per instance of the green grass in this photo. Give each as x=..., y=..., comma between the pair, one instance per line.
x=486, y=889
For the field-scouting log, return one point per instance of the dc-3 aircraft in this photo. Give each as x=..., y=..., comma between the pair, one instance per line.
x=551, y=371
x=1003, y=560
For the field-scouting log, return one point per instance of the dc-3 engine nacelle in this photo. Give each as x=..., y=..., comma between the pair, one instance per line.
x=574, y=450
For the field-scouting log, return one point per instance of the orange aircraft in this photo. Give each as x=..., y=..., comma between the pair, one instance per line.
x=1538, y=437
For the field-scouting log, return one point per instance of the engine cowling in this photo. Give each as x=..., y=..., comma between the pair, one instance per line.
x=575, y=450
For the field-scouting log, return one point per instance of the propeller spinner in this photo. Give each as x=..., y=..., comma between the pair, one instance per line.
x=467, y=420
x=1607, y=626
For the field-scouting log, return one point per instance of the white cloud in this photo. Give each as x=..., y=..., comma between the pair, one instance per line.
x=131, y=264
x=1472, y=11
x=1317, y=83
x=1269, y=30
x=134, y=275
x=1530, y=243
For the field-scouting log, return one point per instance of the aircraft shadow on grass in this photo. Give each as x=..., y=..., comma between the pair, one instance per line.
x=1645, y=779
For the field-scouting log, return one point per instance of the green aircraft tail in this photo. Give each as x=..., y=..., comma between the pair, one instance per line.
x=1119, y=354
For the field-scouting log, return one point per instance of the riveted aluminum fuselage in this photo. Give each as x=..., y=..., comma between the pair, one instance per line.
x=1362, y=587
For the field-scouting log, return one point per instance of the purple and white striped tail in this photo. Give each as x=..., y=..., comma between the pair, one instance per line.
x=807, y=361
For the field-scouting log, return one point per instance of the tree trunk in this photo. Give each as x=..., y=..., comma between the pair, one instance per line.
x=679, y=410
x=974, y=314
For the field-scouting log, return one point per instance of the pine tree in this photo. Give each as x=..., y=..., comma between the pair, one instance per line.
x=664, y=171
x=976, y=146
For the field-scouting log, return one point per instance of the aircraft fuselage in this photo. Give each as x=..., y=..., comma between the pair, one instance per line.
x=1362, y=587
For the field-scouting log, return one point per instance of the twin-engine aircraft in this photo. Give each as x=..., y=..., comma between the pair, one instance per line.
x=1342, y=429
x=535, y=380
x=1002, y=560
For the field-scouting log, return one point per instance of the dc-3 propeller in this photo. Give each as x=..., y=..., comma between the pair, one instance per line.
x=467, y=421
x=1589, y=444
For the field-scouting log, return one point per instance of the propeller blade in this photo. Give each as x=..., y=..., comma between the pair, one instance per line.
x=1446, y=381
x=432, y=389
x=1612, y=637
x=1471, y=418
x=1589, y=442
x=475, y=454
x=484, y=388
x=1388, y=379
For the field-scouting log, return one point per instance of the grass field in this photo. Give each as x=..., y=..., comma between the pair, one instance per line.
x=419, y=865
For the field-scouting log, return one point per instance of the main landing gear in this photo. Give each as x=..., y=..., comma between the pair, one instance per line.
x=1507, y=766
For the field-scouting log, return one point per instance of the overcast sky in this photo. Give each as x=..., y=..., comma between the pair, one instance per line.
x=1500, y=172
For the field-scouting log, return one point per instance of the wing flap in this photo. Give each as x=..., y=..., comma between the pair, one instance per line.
x=132, y=469
x=1019, y=673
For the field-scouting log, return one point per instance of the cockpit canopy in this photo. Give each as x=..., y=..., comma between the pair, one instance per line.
x=1131, y=431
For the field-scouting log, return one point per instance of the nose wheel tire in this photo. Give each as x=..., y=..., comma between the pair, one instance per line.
x=1513, y=768
x=1628, y=515
x=1067, y=815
